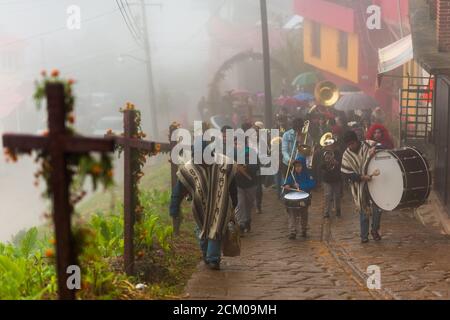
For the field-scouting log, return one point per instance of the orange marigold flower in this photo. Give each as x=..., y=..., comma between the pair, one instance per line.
x=96, y=169
x=55, y=73
x=10, y=155
x=85, y=285
x=109, y=131
x=45, y=133
x=110, y=173
x=71, y=118
x=49, y=253
x=130, y=106
x=71, y=81
x=140, y=254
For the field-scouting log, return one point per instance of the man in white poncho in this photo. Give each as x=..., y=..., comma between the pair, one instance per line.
x=354, y=163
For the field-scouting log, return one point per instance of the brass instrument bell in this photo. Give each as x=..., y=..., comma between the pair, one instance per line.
x=327, y=140
x=326, y=93
x=305, y=150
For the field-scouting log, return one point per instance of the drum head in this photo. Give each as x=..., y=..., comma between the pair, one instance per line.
x=296, y=196
x=386, y=189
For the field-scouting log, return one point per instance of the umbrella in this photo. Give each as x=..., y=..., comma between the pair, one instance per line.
x=240, y=93
x=304, y=96
x=348, y=89
x=289, y=102
x=307, y=79
x=355, y=101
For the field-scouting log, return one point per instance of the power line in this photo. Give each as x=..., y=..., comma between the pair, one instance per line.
x=132, y=19
x=130, y=27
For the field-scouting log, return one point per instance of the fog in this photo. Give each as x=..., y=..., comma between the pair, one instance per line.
x=108, y=63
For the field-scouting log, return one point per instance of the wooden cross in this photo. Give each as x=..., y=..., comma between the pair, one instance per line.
x=59, y=144
x=131, y=144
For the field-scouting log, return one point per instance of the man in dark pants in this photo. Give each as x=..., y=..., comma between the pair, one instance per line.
x=259, y=186
x=331, y=179
x=246, y=181
x=211, y=188
x=353, y=165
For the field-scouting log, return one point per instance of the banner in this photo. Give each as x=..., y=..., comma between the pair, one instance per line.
x=395, y=54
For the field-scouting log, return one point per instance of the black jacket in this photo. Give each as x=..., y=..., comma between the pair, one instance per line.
x=332, y=175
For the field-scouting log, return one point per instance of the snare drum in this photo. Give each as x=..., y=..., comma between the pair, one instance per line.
x=297, y=200
x=404, y=180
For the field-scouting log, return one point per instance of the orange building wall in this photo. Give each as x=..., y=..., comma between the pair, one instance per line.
x=329, y=52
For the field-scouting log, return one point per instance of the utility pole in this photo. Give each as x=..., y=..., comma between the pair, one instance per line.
x=151, y=88
x=268, y=115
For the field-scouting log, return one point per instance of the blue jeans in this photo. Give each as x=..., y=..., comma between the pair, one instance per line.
x=364, y=221
x=211, y=249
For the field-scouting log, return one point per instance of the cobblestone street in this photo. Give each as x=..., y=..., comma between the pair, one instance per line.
x=413, y=259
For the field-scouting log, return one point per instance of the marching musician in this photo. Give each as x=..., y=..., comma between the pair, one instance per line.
x=331, y=176
x=353, y=165
x=299, y=179
x=258, y=125
x=290, y=138
x=246, y=181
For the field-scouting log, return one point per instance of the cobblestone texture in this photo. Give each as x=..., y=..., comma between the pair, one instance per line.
x=414, y=259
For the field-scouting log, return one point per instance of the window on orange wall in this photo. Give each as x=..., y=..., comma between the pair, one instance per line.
x=343, y=49
x=315, y=39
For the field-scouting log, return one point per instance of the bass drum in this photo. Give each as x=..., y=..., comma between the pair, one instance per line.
x=404, y=180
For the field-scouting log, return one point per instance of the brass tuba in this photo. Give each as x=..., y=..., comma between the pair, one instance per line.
x=326, y=93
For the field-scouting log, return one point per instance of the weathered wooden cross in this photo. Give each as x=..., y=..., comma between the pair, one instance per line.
x=131, y=145
x=60, y=144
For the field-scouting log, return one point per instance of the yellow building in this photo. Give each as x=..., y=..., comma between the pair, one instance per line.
x=332, y=50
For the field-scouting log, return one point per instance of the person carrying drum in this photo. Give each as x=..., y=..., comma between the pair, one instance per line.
x=354, y=162
x=299, y=180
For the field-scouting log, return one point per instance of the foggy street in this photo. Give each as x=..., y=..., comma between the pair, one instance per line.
x=331, y=263
x=225, y=150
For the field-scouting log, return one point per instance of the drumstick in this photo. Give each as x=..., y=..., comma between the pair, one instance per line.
x=293, y=177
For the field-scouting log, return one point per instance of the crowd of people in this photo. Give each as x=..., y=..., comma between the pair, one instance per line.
x=324, y=149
